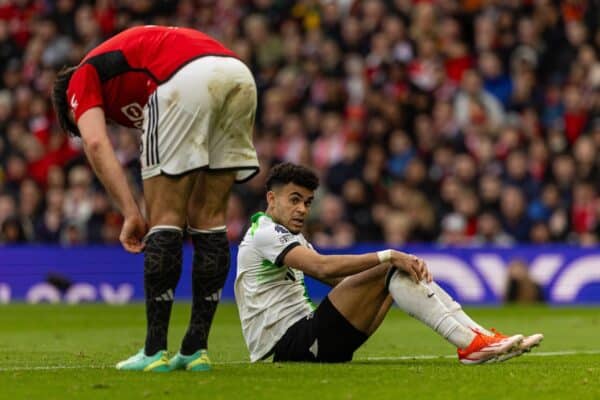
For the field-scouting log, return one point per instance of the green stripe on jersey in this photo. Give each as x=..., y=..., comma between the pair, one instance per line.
x=269, y=271
x=253, y=228
x=307, y=297
x=254, y=219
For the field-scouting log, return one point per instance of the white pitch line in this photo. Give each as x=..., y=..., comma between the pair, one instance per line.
x=432, y=357
x=234, y=362
x=52, y=368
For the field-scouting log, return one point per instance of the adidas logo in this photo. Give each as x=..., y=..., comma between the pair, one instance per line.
x=166, y=296
x=216, y=296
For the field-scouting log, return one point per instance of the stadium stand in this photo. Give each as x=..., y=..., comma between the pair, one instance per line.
x=464, y=122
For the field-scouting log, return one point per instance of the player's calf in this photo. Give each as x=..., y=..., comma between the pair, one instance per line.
x=420, y=302
x=209, y=272
x=162, y=269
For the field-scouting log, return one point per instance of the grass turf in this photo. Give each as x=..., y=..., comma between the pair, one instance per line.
x=59, y=352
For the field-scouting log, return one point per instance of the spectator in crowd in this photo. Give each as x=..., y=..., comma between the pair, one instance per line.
x=419, y=117
x=454, y=230
x=489, y=231
x=332, y=230
x=397, y=228
x=474, y=106
x=512, y=211
x=8, y=207
x=12, y=231
x=48, y=227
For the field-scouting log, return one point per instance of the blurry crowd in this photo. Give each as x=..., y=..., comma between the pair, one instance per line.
x=457, y=122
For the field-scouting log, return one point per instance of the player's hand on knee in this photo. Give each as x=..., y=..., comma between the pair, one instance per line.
x=412, y=265
x=132, y=233
x=426, y=272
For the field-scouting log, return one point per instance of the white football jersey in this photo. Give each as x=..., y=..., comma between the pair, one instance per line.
x=270, y=296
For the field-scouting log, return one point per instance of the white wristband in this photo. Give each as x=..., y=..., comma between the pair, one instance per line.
x=384, y=255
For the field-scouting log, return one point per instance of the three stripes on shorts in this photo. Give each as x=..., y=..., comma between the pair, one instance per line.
x=152, y=133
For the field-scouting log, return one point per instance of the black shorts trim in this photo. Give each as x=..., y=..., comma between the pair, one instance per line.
x=324, y=336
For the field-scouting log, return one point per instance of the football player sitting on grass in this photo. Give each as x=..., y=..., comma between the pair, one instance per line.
x=279, y=320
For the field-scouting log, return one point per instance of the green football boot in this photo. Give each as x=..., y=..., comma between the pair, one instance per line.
x=158, y=362
x=198, y=361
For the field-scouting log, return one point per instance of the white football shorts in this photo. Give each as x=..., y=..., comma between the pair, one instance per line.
x=202, y=118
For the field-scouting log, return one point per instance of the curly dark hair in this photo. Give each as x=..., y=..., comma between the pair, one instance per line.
x=282, y=174
x=60, y=101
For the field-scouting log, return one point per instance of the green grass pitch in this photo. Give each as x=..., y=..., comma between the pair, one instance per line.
x=69, y=352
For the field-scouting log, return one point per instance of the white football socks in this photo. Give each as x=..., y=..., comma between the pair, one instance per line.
x=456, y=310
x=422, y=303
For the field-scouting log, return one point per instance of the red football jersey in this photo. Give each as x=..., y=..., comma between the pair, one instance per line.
x=120, y=74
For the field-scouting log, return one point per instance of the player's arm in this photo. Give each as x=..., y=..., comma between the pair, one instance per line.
x=326, y=267
x=331, y=282
x=101, y=156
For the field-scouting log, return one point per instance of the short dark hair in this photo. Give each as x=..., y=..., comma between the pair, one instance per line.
x=60, y=101
x=282, y=174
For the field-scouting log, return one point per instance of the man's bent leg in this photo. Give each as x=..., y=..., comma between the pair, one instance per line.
x=528, y=343
x=456, y=309
x=421, y=302
x=383, y=310
x=206, y=219
x=323, y=336
x=352, y=311
x=360, y=298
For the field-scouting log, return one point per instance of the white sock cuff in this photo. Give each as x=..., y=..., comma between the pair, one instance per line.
x=216, y=229
x=170, y=228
